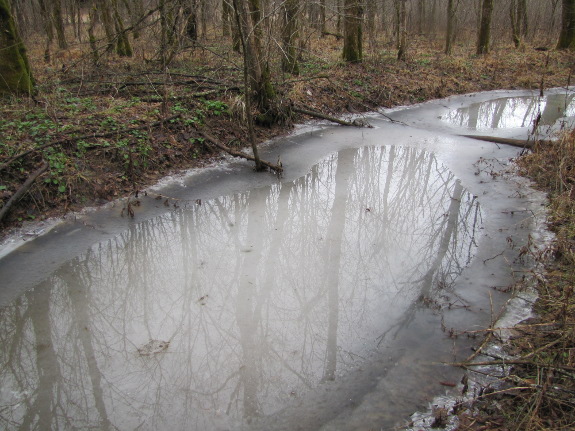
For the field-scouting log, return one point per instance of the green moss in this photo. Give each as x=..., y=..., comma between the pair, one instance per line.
x=15, y=73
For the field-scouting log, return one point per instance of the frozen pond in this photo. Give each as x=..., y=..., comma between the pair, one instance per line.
x=322, y=300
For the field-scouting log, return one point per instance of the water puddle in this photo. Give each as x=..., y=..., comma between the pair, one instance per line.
x=214, y=316
x=514, y=112
x=324, y=301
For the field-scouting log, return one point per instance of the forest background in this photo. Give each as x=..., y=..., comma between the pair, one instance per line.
x=101, y=98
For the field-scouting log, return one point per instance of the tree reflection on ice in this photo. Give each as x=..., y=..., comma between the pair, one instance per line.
x=514, y=112
x=262, y=295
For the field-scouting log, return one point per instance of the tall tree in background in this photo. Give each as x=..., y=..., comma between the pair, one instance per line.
x=352, y=31
x=15, y=73
x=484, y=36
x=519, y=22
x=567, y=37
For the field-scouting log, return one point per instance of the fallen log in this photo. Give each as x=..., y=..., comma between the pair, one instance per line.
x=522, y=143
x=214, y=141
x=23, y=189
x=79, y=138
x=354, y=123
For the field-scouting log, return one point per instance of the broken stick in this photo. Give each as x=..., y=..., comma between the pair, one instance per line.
x=522, y=143
x=354, y=123
x=214, y=141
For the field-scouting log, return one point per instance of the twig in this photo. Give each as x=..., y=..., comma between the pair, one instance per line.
x=29, y=181
x=79, y=138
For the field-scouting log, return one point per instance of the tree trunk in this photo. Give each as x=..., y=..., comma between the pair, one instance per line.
x=322, y=22
x=567, y=37
x=248, y=19
x=290, y=36
x=106, y=17
x=450, y=32
x=123, y=47
x=92, y=38
x=59, y=24
x=352, y=30
x=484, y=36
x=420, y=16
x=47, y=23
x=402, y=31
x=226, y=18
x=518, y=13
x=371, y=12
x=191, y=13
x=15, y=73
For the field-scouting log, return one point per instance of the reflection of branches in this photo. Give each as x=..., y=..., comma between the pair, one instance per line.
x=283, y=283
x=511, y=112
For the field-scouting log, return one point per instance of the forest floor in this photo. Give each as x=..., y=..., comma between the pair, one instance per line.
x=94, y=134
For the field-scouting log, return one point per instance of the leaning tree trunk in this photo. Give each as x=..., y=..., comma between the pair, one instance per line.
x=352, y=30
x=567, y=36
x=15, y=73
x=484, y=35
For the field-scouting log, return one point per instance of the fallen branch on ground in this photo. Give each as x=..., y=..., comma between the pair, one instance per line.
x=354, y=123
x=217, y=143
x=23, y=189
x=89, y=136
x=522, y=143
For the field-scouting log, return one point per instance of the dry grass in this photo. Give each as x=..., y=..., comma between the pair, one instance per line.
x=541, y=385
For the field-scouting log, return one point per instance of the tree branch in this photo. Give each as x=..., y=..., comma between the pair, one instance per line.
x=354, y=123
x=277, y=168
x=27, y=184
